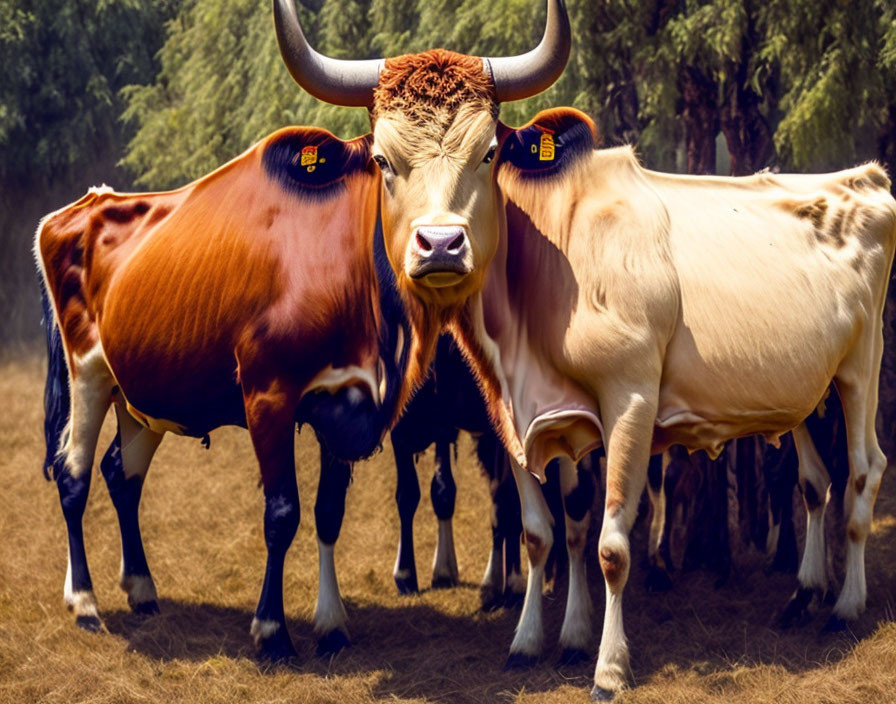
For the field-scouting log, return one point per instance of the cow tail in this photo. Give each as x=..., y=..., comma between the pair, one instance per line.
x=57, y=396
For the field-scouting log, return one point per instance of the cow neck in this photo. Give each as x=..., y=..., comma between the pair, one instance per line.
x=481, y=352
x=408, y=333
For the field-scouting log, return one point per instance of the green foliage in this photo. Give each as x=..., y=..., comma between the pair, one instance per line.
x=64, y=63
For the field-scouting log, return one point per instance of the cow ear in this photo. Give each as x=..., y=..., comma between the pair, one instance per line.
x=548, y=144
x=312, y=163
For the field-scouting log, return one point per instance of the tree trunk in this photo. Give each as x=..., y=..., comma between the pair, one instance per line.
x=701, y=124
x=747, y=134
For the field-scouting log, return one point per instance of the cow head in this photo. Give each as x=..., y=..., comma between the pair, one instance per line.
x=435, y=124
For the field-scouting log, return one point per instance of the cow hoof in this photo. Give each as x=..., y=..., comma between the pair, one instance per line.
x=89, y=622
x=444, y=582
x=491, y=601
x=146, y=608
x=599, y=694
x=332, y=643
x=520, y=661
x=407, y=585
x=797, y=610
x=277, y=649
x=834, y=624
x=514, y=600
x=658, y=580
x=572, y=656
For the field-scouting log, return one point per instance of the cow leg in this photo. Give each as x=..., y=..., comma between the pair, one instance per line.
x=443, y=493
x=491, y=588
x=781, y=473
x=628, y=425
x=270, y=418
x=511, y=521
x=857, y=383
x=407, y=497
x=577, y=488
x=502, y=583
x=91, y=387
x=124, y=468
x=658, y=579
x=329, y=614
x=538, y=532
x=812, y=574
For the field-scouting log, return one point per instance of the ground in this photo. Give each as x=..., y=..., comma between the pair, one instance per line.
x=202, y=525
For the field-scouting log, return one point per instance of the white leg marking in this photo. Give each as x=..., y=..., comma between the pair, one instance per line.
x=493, y=579
x=814, y=479
x=139, y=588
x=657, y=521
x=611, y=671
x=612, y=667
x=262, y=630
x=84, y=604
x=851, y=601
x=91, y=386
x=329, y=613
x=67, y=594
x=576, y=631
x=539, y=537
x=444, y=562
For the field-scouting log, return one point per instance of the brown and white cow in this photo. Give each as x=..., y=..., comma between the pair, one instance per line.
x=600, y=302
x=257, y=296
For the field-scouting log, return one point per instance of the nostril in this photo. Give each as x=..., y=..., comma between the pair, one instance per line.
x=457, y=244
x=423, y=244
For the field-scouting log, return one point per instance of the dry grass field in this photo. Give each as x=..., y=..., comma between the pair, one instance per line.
x=202, y=525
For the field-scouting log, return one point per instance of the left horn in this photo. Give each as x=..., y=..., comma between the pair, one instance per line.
x=335, y=81
x=518, y=77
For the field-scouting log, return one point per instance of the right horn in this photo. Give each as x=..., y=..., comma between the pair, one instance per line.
x=518, y=77
x=335, y=81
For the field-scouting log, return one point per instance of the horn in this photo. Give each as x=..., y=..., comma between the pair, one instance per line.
x=335, y=81
x=518, y=77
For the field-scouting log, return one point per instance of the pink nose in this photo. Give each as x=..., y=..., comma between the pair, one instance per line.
x=440, y=242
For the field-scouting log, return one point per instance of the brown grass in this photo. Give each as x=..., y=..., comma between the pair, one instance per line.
x=202, y=520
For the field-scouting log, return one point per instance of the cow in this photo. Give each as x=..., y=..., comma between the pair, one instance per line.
x=447, y=402
x=603, y=303
x=222, y=303
x=439, y=109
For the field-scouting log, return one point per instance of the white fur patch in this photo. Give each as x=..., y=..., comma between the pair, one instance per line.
x=83, y=603
x=332, y=379
x=444, y=563
x=91, y=385
x=261, y=630
x=140, y=589
x=329, y=613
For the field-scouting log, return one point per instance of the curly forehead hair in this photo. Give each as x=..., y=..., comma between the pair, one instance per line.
x=432, y=84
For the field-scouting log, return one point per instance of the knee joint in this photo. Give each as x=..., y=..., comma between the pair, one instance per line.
x=538, y=547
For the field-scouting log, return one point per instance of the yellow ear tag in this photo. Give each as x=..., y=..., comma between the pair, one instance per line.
x=546, y=150
x=309, y=155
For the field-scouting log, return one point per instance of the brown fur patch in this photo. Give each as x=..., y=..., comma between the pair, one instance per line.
x=433, y=85
x=814, y=211
x=613, y=564
x=860, y=483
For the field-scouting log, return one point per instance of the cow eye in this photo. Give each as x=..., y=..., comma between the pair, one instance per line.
x=490, y=154
x=383, y=163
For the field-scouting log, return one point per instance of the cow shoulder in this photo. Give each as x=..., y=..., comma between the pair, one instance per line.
x=314, y=164
x=548, y=145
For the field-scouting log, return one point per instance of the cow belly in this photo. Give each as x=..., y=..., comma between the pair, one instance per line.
x=189, y=394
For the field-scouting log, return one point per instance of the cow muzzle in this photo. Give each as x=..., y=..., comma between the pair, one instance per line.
x=439, y=255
